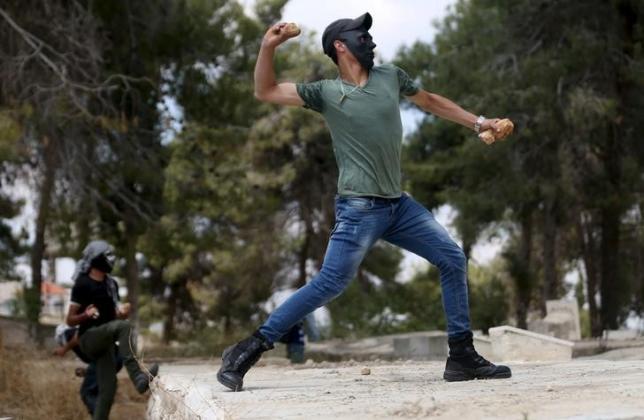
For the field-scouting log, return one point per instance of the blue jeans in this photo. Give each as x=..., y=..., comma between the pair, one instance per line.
x=360, y=222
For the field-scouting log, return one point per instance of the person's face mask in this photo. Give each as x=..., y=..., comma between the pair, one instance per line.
x=104, y=262
x=361, y=45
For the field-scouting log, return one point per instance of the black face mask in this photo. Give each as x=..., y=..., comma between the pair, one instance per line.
x=104, y=262
x=361, y=45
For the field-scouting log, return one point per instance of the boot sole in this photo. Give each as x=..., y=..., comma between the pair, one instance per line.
x=233, y=384
x=458, y=376
x=228, y=382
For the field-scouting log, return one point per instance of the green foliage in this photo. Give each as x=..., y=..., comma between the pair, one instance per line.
x=573, y=160
x=489, y=297
x=240, y=202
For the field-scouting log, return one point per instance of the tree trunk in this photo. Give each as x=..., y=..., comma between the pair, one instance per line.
x=610, y=278
x=33, y=294
x=132, y=276
x=170, y=313
x=524, y=290
x=612, y=158
x=590, y=256
x=551, y=284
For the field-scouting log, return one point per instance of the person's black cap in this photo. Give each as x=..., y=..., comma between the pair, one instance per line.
x=332, y=32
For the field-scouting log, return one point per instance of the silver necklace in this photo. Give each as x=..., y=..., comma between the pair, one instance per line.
x=345, y=95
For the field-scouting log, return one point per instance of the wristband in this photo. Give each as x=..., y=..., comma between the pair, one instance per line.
x=477, y=124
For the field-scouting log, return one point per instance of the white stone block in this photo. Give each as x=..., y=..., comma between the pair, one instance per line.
x=621, y=334
x=515, y=344
x=563, y=317
x=429, y=346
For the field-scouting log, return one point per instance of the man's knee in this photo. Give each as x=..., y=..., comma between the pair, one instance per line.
x=122, y=324
x=332, y=284
x=453, y=259
x=459, y=259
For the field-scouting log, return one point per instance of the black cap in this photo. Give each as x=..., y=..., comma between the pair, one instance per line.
x=332, y=32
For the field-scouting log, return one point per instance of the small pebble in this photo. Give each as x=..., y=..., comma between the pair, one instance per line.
x=366, y=371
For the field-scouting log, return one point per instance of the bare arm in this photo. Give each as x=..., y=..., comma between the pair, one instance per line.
x=61, y=351
x=446, y=109
x=75, y=316
x=266, y=87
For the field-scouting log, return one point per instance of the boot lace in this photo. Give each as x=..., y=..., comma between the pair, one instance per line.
x=478, y=359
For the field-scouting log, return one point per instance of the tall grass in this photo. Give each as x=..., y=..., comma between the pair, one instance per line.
x=35, y=385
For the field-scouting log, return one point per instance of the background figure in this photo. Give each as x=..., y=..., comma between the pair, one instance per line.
x=294, y=340
x=102, y=322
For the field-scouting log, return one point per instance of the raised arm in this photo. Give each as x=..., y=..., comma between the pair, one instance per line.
x=447, y=109
x=266, y=87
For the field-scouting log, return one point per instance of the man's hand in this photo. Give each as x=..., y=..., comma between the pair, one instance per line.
x=495, y=129
x=124, y=310
x=59, y=351
x=279, y=33
x=92, y=312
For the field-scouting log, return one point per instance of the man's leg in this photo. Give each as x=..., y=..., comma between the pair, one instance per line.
x=97, y=339
x=294, y=340
x=89, y=388
x=359, y=223
x=415, y=229
x=106, y=378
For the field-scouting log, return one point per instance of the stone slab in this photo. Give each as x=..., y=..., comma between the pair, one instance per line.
x=561, y=321
x=580, y=389
x=429, y=346
x=370, y=348
x=515, y=344
x=621, y=334
x=565, y=314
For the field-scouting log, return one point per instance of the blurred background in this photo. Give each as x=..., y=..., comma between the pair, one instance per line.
x=135, y=122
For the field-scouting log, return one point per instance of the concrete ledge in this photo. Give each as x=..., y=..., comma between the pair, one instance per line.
x=581, y=389
x=185, y=394
x=515, y=344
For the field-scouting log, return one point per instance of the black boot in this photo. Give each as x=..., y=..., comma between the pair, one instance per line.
x=143, y=379
x=464, y=363
x=238, y=358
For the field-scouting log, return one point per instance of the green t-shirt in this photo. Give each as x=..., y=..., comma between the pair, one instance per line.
x=365, y=127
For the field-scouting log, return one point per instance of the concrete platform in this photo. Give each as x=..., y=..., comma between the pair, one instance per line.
x=516, y=344
x=580, y=389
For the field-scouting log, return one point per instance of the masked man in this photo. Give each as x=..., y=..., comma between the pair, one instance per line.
x=361, y=109
x=95, y=308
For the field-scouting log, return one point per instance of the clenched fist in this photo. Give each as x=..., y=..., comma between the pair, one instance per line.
x=502, y=129
x=279, y=33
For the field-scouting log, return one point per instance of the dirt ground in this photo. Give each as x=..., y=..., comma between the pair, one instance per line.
x=36, y=385
x=591, y=388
